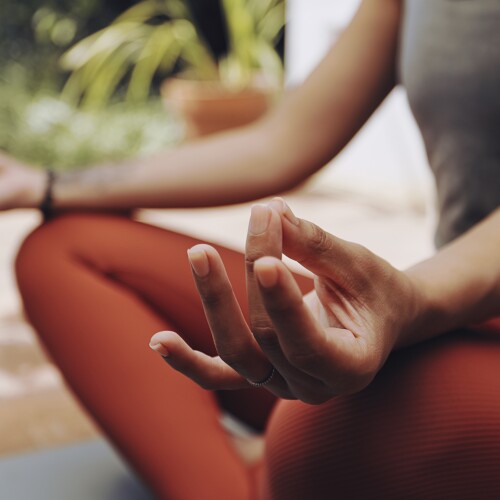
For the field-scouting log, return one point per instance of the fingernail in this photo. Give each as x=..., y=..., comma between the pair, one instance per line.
x=199, y=261
x=259, y=219
x=160, y=349
x=278, y=204
x=282, y=207
x=266, y=272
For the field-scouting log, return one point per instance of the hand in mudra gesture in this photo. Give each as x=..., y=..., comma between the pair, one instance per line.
x=331, y=341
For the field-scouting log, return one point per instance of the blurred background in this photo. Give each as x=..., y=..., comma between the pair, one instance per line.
x=109, y=106
x=86, y=81
x=80, y=83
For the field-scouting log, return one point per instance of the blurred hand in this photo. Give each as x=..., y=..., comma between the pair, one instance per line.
x=332, y=341
x=21, y=186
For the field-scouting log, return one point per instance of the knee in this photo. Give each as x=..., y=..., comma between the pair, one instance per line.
x=47, y=244
x=429, y=423
x=35, y=247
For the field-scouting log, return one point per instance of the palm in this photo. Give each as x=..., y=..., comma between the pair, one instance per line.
x=357, y=301
x=348, y=331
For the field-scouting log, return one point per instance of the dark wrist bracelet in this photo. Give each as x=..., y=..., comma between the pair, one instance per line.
x=46, y=205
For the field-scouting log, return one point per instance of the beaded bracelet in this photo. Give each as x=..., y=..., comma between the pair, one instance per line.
x=46, y=205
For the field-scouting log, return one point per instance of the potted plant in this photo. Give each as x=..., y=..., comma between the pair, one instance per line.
x=160, y=37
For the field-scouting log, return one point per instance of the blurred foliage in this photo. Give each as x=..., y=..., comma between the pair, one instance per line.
x=254, y=29
x=34, y=34
x=162, y=36
x=38, y=126
x=45, y=130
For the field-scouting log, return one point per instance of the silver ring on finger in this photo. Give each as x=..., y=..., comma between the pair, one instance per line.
x=265, y=381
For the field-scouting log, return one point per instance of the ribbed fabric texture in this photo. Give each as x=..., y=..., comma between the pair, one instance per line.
x=96, y=287
x=427, y=427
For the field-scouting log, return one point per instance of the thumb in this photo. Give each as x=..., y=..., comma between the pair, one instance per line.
x=347, y=264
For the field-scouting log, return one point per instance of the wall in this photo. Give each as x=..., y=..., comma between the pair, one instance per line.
x=386, y=161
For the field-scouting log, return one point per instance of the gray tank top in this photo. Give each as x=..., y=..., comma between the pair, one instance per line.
x=450, y=66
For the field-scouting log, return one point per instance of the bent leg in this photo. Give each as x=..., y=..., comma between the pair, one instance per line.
x=427, y=427
x=96, y=288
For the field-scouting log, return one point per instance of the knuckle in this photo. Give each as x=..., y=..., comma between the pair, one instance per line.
x=367, y=263
x=320, y=240
x=251, y=255
x=231, y=357
x=232, y=352
x=365, y=259
x=249, y=264
x=266, y=338
x=318, y=243
x=238, y=363
x=283, y=306
x=215, y=296
x=359, y=250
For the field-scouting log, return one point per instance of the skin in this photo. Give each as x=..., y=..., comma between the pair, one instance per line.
x=310, y=125
x=334, y=340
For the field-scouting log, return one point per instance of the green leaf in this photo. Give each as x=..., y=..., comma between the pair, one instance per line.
x=253, y=27
x=259, y=8
x=108, y=77
x=270, y=26
x=147, y=9
x=160, y=50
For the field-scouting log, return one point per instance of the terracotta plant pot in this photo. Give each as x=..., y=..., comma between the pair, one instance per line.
x=208, y=107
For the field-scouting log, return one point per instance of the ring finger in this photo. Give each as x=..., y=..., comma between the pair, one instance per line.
x=232, y=336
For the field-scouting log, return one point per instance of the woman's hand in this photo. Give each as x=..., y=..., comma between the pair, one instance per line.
x=21, y=186
x=332, y=341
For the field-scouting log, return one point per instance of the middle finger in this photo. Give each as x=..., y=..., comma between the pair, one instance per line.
x=265, y=239
x=232, y=336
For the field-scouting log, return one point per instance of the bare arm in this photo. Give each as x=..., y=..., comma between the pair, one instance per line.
x=460, y=285
x=310, y=126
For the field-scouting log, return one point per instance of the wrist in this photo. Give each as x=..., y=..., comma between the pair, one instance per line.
x=33, y=190
x=422, y=316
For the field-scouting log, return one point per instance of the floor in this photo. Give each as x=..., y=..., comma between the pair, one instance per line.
x=37, y=410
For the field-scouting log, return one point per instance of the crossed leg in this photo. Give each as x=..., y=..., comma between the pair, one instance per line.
x=96, y=287
x=427, y=427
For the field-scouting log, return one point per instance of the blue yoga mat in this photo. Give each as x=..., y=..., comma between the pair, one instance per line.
x=85, y=471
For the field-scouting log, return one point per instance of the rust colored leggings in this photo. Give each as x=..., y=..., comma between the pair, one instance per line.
x=96, y=287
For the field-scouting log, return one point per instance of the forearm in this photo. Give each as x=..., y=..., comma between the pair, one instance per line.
x=309, y=127
x=460, y=285
x=233, y=167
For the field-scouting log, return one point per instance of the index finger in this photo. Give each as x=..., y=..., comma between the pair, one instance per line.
x=264, y=238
